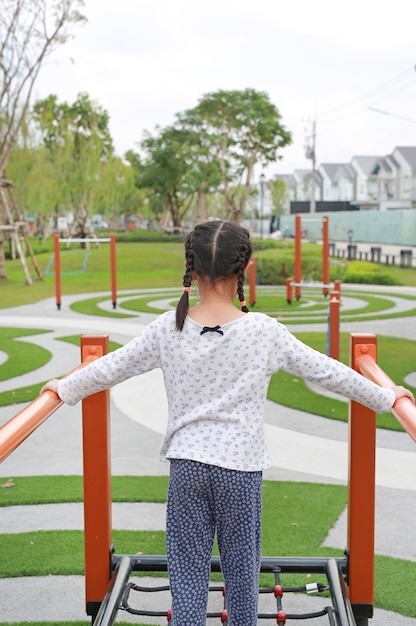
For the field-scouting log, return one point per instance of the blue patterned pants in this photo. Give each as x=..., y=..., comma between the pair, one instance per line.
x=204, y=499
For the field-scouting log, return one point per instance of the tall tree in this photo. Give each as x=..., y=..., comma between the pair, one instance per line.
x=166, y=169
x=278, y=192
x=30, y=30
x=78, y=142
x=242, y=128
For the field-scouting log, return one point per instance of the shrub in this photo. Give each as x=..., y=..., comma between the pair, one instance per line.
x=364, y=272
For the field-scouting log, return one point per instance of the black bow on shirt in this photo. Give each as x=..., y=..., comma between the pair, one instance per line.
x=211, y=329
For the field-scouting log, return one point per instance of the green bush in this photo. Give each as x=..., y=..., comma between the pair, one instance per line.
x=364, y=272
x=148, y=236
x=273, y=271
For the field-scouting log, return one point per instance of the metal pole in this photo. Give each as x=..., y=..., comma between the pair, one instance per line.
x=261, y=203
x=325, y=253
x=298, y=256
x=313, y=204
x=57, y=260
x=113, y=270
x=97, y=484
x=361, y=490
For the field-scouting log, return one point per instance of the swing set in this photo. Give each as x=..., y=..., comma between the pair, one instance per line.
x=57, y=263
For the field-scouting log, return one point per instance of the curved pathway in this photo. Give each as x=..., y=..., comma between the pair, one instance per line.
x=304, y=447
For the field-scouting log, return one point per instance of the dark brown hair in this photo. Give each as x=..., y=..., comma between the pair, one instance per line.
x=214, y=250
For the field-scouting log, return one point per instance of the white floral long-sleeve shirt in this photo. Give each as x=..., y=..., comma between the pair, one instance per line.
x=216, y=384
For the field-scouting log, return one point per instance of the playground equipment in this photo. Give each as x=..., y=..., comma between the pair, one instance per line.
x=252, y=279
x=57, y=263
x=350, y=578
x=296, y=283
x=333, y=324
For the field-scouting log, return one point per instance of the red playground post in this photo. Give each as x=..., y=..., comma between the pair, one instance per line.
x=113, y=270
x=296, y=282
x=252, y=277
x=57, y=261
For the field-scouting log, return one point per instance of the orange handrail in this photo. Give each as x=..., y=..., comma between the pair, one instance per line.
x=403, y=410
x=25, y=422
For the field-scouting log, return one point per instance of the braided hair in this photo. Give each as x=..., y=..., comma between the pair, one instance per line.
x=214, y=250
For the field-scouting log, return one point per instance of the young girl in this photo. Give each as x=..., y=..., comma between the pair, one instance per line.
x=217, y=362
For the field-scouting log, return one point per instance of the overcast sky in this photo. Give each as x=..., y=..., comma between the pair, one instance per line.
x=323, y=60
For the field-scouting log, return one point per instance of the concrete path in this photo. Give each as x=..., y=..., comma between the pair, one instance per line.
x=304, y=448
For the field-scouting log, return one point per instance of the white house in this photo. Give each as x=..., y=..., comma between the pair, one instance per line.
x=371, y=182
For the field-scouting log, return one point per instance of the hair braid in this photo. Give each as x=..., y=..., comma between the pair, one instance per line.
x=243, y=260
x=183, y=304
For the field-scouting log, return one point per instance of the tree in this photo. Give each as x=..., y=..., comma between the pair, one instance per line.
x=118, y=194
x=241, y=128
x=78, y=143
x=278, y=192
x=29, y=31
x=167, y=170
x=35, y=186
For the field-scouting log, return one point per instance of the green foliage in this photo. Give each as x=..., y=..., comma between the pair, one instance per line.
x=365, y=272
x=149, y=236
x=237, y=129
x=278, y=191
x=78, y=143
x=273, y=271
x=168, y=169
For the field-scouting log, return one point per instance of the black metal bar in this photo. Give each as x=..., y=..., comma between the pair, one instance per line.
x=289, y=565
x=339, y=596
x=110, y=605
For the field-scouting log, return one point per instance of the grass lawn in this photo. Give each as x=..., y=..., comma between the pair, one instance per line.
x=145, y=264
x=297, y=516
x=296, y=520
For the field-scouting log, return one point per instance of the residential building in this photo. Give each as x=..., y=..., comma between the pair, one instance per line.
x=367, y=182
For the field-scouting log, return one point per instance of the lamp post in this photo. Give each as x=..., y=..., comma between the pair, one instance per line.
x=262, y=177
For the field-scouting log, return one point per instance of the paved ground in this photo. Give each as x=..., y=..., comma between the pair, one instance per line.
x=304, y=448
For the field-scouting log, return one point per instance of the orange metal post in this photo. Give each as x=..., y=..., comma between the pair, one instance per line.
x=337, y=287
x=325, y=254
x=252, y=277
x=113, y=270
x=361, y=491
x=97, y=484
x=334, y=325
x=298, y=256
x=57, y=264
